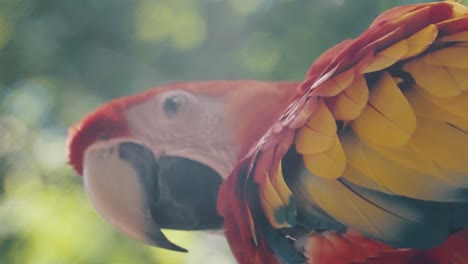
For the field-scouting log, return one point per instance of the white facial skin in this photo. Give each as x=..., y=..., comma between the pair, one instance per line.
x=168, y=123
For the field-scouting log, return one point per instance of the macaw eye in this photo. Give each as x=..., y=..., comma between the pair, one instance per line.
x=173, y=104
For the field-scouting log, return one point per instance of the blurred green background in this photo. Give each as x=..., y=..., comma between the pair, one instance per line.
x=59, y=59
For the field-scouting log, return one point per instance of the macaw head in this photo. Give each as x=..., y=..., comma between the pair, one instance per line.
x=156, y=159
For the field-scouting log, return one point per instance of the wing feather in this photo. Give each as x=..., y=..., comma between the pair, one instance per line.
x=377, y=144
x=388, y=118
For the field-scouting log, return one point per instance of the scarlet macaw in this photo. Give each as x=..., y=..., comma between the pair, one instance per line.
x=366, y=161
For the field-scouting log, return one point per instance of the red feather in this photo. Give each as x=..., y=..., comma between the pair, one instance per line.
x=247, y=243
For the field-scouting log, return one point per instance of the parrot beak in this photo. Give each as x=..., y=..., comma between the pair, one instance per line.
x=139, y=195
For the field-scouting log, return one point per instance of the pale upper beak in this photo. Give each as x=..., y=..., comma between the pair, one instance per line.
x=139, y=195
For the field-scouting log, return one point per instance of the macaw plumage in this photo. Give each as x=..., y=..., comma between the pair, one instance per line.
x=135, y=153
x=366, y=161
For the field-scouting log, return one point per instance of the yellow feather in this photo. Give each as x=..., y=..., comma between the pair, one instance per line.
x=423, y=107
x=328, y=164
x=388, y=118
x=445, y=144
x=387, y=57
x=280, y=186
x=350, y=103
x=355, y=176
x=460, y=76
x=309, y=141
x=420, y=161
x=462, y=127
x=336, y=84
x=458, y=8
x=354, y=151
x=395, y=175
x=318, y=133
x=452, y=57
x=419, y=42
x=351, y=209
x=434, y=79
x=456, y=105
x=271, y=203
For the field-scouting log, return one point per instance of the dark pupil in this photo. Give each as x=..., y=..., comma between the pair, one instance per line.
x=172, y=105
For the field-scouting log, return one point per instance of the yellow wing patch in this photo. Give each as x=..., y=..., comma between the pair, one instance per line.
x=400, y=171
x=388, y=57
x=352, y=210
x=277, y=199
x=318, y=133
x=420, y=41
x=336, y=84
x=456, y=57
x=319, y=143
x=455, y=105
x=271, y=202
x=458, y=8
x=404, y=131
x=436, y=80
x=328, y=164
x=350, y=103
x=280, y=186
x=445, y=144
x=404, y=49
x=424, y=107
x=388, y=118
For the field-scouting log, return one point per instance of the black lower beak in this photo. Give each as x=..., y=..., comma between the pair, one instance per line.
x=179, y=193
